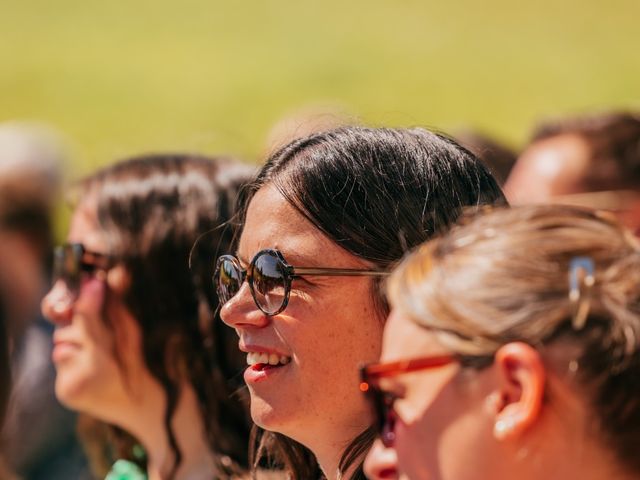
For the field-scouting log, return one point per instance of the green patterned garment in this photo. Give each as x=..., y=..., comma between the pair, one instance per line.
x=125, y=470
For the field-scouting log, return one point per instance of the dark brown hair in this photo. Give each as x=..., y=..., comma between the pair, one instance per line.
x=504, y=277
x=498, y=158
x=376, y=192
x=152, y=210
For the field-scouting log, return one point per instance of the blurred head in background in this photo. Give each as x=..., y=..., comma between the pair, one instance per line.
x=5, y=381
x=30, y=173
x=304, y=121
x=136, y=344
x=513, y=351
x=591, y=160
x=39, y=435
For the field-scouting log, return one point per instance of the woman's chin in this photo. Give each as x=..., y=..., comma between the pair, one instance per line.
x=67, y=393
x=73, y=391
x=266, y=416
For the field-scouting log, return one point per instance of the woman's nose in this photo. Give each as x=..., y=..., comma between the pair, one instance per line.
x=381, y=463
x=57, y=304
x=242, y=312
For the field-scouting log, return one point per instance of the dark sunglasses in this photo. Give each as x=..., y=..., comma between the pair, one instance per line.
x=382, y=401
x=72, y=260
x=269, y=277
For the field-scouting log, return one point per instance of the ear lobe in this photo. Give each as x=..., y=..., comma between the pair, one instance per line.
x=521, y=387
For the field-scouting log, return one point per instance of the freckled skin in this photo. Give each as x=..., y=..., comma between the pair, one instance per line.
x=329, y=328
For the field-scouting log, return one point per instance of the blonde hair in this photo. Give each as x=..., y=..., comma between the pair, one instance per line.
x=504, y=277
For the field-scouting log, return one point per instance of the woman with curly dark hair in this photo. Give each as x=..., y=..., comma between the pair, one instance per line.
x=136, y=344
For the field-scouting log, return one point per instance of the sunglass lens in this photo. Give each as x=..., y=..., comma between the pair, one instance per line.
x=228, y=278
x=385, y=415
x=388, y=434
x=269, y=282
x=67, y=265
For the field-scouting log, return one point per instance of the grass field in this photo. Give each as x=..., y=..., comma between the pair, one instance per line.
x=118, y=78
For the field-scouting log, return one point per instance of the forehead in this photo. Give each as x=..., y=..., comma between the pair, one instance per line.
x=404, y=338
x=561, y=160
x=272, y=222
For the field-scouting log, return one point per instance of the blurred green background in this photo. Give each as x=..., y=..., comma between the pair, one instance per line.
x=117, y=78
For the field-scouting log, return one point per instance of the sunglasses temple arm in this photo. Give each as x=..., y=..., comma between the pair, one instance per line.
x=380, y=370
x=338, y=272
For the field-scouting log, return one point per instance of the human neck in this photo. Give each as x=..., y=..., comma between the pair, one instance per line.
x=570, y=452
x=146, y=423
x=329, y=453
x=567, y=443
x=589, y=465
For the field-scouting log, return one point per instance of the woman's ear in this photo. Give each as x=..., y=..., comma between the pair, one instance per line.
x=519, y=391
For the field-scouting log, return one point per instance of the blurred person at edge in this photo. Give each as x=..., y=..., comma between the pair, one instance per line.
x=326, y=218
x=5, y=385
x=39, y=434
x=512, y=352
x=591, y=161
x=136, y=345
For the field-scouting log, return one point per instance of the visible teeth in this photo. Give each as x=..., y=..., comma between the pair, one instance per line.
x=254, y=358
x=251, y=358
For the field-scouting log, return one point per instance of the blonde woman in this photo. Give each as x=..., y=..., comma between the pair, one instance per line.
x=512, y=352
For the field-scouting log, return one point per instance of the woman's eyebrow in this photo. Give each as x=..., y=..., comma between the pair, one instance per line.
x=297, y=260
x=292, y=257
x=311, y=259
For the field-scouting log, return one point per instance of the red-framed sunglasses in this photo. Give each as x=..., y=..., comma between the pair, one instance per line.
x=382, y=401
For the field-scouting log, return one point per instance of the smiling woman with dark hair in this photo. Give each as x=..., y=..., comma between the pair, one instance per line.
x=136, y=344
x=327, y=217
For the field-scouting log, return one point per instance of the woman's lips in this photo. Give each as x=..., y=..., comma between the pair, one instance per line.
x=62, y=350
x=261, y=371
x=263, y=361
